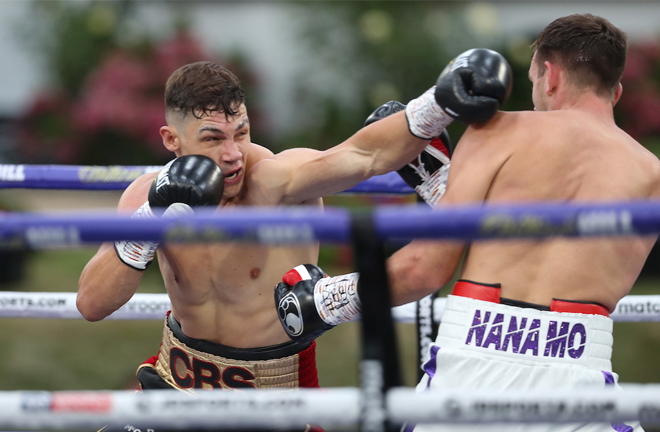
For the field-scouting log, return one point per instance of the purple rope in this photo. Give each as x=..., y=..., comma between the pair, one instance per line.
x=119, y=177
x=302, y=225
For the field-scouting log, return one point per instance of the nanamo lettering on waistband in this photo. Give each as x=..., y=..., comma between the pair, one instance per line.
x=522, y=335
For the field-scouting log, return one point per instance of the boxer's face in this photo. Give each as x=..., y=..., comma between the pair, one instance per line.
x=226, y=140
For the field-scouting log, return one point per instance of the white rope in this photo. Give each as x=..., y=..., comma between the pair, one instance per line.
x=154, y=306
x=174, y=409
x=274, y=409
x=63, y=305
x=542, y=405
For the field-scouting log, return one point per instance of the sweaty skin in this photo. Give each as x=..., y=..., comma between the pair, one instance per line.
x=569, y=150
x=223, y=292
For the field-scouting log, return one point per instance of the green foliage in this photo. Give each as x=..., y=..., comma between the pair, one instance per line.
x=43, y=354
x=108, y=74
x=380, y=51
x=385, y=51
x=74, y=37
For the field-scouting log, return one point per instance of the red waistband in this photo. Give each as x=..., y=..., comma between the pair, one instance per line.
x=491, y=293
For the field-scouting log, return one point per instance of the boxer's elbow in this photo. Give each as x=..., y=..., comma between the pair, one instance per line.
x=411, y=280
x=88, y=306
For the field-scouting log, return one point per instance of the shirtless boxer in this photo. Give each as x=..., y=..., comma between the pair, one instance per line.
x=534, y=313
x=223, y=331
x=543, y=305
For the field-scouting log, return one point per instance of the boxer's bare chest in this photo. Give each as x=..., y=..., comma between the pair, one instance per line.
x=230, y=273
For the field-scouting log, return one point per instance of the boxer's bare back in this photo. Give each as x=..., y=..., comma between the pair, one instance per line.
x=569, y=149
x=556, y=156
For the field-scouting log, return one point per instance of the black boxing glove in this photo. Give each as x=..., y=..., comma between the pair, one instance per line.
x=186, y=181
x=474, y=85
x=309, y=302
x=427, y=173
x=470, y=89
x=194, y=180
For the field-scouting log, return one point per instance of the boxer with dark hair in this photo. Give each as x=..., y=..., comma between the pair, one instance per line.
x=527, y=313
x=534, y=313
x=223, y=331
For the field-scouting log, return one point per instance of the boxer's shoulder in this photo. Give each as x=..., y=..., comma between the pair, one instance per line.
x=136, y=193
x=519, y=127
x=269, y=178
x=256, y=154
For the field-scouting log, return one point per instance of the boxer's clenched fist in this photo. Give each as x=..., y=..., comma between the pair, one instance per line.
x=470, y=89
x=309, y=302
x=474, y=85
x=185, y=182
x=195, y=180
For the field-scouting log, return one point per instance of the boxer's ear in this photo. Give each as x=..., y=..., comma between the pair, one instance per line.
x=554, y=77
x=617, y=94
x=171, y=139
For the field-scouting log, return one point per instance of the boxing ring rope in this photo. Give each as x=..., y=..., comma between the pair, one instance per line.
x=89, y=177
x=297, y=225
x=377, y=401
x=333, y=407
x=144, y=306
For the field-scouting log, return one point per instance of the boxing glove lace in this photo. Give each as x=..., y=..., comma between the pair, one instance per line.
x=427, y=173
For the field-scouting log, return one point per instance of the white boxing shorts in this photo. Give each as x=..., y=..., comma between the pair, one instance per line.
x=483, y=343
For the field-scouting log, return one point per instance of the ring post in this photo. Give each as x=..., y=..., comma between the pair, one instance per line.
x=379, y=369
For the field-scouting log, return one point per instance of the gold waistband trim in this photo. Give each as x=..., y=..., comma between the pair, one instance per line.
x=197, y=369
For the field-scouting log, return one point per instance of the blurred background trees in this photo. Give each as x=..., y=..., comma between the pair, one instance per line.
x=392, y=51
x=104, y=103
x=101, y=103
x=106, y=73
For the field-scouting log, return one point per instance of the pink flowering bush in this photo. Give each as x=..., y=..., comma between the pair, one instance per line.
x=638, y=111
x=106, y=105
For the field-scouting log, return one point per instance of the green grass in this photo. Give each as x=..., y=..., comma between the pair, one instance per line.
x=636, y=345
x=51, y=354
x=75, y=354
x=64, y=354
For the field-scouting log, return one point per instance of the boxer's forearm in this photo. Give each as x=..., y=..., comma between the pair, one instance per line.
x=105, y=284
x=388, y=144
x=299, y=175
x=422, y=268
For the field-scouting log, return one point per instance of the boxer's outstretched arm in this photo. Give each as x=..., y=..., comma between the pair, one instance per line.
x=299, y=175
x=471, y=89
x=106, y=283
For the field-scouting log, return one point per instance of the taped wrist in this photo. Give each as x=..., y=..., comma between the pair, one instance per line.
x=337, y=300
x=433, y=186
x=137, y=254
x=426, y=119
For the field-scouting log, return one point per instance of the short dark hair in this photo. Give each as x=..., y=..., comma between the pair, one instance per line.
x=590, y=48
x=202, y=88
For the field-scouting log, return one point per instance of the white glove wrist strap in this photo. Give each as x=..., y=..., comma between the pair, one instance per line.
x=337, y=300
x=433, y=187
x=426, y=119
x=137, y=254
